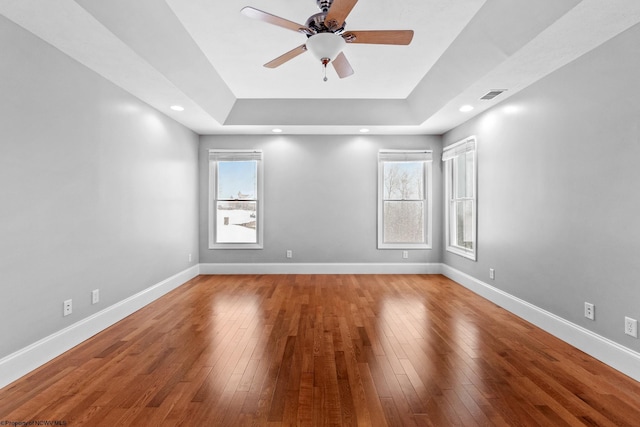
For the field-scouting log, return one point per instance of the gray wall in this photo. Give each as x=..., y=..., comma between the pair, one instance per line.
x=559, y=181
x=320, y=198
x=97, y=191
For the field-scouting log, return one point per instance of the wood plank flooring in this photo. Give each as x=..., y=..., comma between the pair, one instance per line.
x=323, y=350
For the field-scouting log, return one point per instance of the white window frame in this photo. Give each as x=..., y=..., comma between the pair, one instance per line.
x=449, y=154
x=399, y=156
x=216, y=155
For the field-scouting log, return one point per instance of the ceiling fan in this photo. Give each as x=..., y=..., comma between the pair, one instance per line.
x=326, y=35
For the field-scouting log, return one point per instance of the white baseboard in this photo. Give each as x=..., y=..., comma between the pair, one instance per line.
x=321, y=268
x=609, y=352
x=37, y=354
x=31, y=357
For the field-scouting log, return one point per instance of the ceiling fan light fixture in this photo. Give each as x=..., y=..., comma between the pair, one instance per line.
x=325, y=46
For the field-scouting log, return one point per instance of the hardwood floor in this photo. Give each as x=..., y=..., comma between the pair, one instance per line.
x=340, y=350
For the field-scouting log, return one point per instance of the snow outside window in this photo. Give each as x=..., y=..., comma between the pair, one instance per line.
x=460, y=169
x=235, y=199
x=404, y=199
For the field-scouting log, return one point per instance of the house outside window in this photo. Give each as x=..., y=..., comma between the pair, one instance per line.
x=235, y=199
x=404, y=199
x=460, y=172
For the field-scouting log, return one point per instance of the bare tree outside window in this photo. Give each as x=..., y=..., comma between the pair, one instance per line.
x=404, y=202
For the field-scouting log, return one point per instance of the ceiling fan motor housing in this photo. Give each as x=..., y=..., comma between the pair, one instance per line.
x=317, y=24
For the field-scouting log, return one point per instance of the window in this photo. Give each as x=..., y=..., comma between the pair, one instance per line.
x=460, y=165
x=404, y=199
x=235, y=199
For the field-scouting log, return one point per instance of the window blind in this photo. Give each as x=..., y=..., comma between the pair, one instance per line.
x=464, y=146
x=235, y=155
x=405, y=156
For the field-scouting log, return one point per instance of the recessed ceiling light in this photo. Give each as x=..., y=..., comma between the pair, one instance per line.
x=276, y=130
x=177, y=108
x=466, y=108
x=364, y=130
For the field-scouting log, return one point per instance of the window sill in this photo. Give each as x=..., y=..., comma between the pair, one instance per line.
x=219, y=246
x=407, y=246
x=461, y=252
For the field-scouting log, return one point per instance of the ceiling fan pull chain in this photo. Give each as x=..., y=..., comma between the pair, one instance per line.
x=325, y=61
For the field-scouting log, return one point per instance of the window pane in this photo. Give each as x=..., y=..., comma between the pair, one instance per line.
x=236, y=222
x=464, y=224
x=404, y=222
x=469, y=174
x=463, y=174
x=459, y=178
x=403, y=180
x=238, y=180
x=468, y=223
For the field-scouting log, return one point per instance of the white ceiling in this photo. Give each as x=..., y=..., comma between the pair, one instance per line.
x=207, y=57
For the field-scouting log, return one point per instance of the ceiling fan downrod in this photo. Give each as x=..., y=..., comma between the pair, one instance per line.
x=324, y=5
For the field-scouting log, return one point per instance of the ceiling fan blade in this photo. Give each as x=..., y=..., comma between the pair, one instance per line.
x=273, y=19
x=342, y=66
x=286, y=57
x=401, y=37
x=338, y=13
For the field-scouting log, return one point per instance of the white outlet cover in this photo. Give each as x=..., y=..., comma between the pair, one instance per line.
x=631, y=327
x=67, y=307
x=589, y=311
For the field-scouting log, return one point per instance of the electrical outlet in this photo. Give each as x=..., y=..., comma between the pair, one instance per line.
x=631, y=327
x=95, y=296
x=589, y=311
x=492, y=274
x=405, y=254
x=67, y=307
x=289, y=253
x=189, y=257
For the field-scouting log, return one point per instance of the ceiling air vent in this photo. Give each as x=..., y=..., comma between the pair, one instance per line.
x=493, y=94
